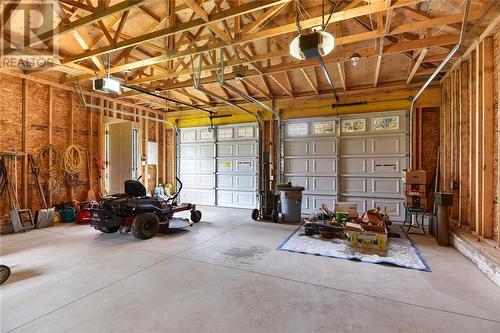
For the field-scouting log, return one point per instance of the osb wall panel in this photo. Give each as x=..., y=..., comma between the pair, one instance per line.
x=10, y=128
x=429, y=148
x=80, y=184
x=38, y=127
x=170, y=160
x=61, y=113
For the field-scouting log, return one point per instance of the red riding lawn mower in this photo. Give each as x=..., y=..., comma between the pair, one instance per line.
x=135, y=212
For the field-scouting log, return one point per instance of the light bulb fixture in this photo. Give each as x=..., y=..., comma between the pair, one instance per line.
x=313, y=45
x=355, y=58
x=238, y=78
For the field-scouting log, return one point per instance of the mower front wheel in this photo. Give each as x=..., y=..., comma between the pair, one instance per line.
x=195, y=216
x=145, y=225
x=255, y=214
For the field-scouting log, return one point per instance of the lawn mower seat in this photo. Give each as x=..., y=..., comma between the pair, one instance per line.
x=135, y=188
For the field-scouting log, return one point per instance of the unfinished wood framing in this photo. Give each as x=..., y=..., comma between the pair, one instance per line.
x=469, y=141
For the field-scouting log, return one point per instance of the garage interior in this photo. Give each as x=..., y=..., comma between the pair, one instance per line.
x=209, y=165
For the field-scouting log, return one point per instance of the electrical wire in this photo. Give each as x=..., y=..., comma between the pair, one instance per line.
x=73, y=160
x=48, y=159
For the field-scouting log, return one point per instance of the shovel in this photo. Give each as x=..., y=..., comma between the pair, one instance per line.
x=45, y=216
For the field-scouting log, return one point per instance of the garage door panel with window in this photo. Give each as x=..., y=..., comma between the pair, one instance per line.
x=366, y=153
x=237, y=165
x=311, y=160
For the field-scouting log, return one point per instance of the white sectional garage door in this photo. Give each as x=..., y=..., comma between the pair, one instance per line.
x=311, y=160
x=366, y=154
x=219, y=167
x=237, y=165
x=196, y=154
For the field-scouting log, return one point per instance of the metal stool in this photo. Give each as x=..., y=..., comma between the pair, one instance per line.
x=409, y=212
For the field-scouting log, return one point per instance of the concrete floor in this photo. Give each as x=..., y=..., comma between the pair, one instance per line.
x=225, y=275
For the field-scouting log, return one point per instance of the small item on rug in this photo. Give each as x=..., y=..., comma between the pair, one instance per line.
x=325, y=230
x=349, y=208
x=373, y=217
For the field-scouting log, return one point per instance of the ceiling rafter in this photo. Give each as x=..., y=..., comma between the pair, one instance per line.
x=365, y=53
x=271, y=32
x=86, y=20
x=226, y=14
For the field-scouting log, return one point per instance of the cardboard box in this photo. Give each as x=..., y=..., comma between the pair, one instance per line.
x=414, y=177
x=416, y=189
x=414, y=201
x=350, y=208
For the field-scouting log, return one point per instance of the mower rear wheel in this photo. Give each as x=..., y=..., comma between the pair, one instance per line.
x=195, y=216
x=4, y=273
x=255, y=214
x=145, y=225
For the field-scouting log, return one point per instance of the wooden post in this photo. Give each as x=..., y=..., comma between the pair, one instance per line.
x=479, y=139
x=473, y=142
x=90, y=149
x=25, y=142
x=71, y=120
x=102, y=143
x=164, y=152
x=464, y=143
x=49, y=194
x=487, y=137
x=145, y=145
x=157, y=139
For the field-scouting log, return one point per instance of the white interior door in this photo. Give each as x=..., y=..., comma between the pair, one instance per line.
x=120, y=155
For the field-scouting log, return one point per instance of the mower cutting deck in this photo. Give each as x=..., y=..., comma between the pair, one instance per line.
x=135, y=212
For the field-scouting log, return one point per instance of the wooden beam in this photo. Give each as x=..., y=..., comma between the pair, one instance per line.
x=120, y=26
x=309, y=80
x=473, y=142
x=464, y=179
x=86, y=20
x=341, y=69
x=193, y=24
x=81, y=41
x=296, y=65
x=444, y=20
x=149, y=13
x=243, y=39
x=488, y=136
x=25, y=141
x=79, y=5
x=416, y=65
x=479, y=140
x=252, y=27
x=256, y=87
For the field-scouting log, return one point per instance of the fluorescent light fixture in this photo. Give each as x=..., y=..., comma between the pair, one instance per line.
x=314, y=45
x=107, y=85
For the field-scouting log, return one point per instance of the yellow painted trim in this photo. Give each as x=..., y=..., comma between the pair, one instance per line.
x=291, y=109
